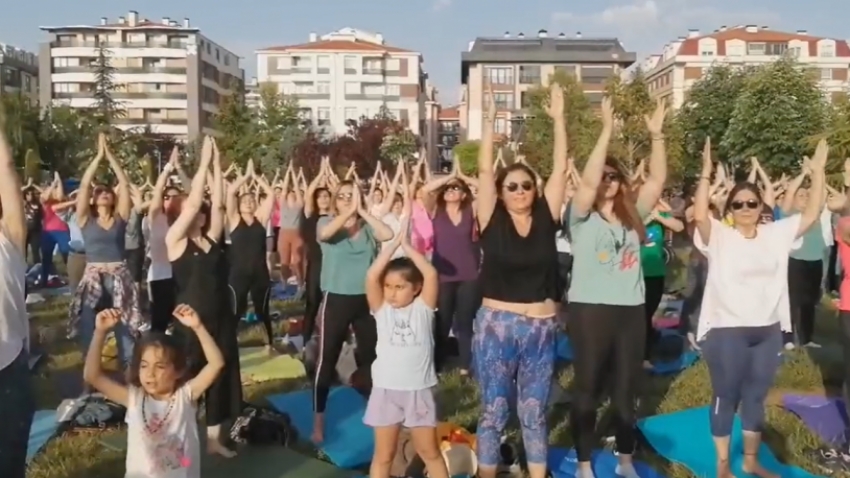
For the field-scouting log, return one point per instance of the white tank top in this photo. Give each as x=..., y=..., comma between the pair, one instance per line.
x=14, y=321
x=160, y=267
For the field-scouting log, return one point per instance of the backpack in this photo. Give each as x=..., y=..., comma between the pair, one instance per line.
x=263, y=426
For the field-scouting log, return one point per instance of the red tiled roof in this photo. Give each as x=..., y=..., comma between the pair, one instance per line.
x=450, y=113
x=690, y=47
x=339, y=45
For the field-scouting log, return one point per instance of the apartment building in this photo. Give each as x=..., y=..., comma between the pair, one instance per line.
x=684, y=61
x=18, y=72
x=169, y=76
x=449, y=135
x=347, y=74
x=512, y=65
x=252, y=93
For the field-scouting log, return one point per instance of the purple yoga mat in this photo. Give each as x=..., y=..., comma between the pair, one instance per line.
x=826, y=417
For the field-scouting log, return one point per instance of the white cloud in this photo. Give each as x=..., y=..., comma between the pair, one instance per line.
x=646, y=25
x=441, y=5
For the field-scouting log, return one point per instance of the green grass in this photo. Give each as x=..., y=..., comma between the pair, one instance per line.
x=80, y=455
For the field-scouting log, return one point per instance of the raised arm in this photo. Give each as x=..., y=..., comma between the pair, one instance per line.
x=382, y=231
x=811, y=213
x=768, y=194
x=159, y=188
x=216, y=196
x=11, y=197
x=373, y=185
x=702, y=201
x=329, y=230
x=85, y=189
x=553, y=192
x=264, y=211
x=58, y=187
x=591, y=175
x=787, y=203
x=389, y=193
x=487, y=194
x=311, y=192
x=125, y=202
x=190, y=207
x=653, y=186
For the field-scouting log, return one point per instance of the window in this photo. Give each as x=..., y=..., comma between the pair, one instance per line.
x=524, y=99
x=706, y=51
x=323, y=87
x=351, y=114
x=826, y=74
x=323, y=115
x=304, y=88
x=226, y=60
x=306, y=114
x=66, y=87
x=65, y=62
x=373, y=65
x=794, y=52
x=373, y=90
x=283, y=63
x=756, y=48
x=568, y=69
x=324, y=62
x=501, y=126
x=529, y=75
x=301, y=62
x=500, y=76
x=350, y=64
x=217, y=55
x=285, y=88
x=209, y=49
x=827, y=50
x=393, y=90
x=776, y=48
x=503, y=101
x=393, y=64
x=735, y=50
x=352, y=88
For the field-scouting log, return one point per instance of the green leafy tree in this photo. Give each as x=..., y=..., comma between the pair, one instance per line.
x=106, y=108
x=67, y=139
x=779, y=108
x=583, y=126
x=278, y=128
x=631, y=102
x=399, y=144
x=838, y=128
x=467, y=155
x=681, y=167
x=237, y=139
x=32, y=166
x=22, y=120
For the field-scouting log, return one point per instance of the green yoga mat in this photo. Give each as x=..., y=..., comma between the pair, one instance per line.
x=258, y=366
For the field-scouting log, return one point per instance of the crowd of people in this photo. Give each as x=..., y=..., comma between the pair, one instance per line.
x=500, y=260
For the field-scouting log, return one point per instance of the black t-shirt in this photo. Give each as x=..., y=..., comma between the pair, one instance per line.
x=35, y=215
x=309, y=236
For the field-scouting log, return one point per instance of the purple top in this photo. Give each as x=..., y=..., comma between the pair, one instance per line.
x=457, y=254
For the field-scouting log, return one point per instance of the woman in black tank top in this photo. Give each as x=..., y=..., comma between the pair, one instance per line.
x=199, y=269
x=317, y=205
x=246, y=223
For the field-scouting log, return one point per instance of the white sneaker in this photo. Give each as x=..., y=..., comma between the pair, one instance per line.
x=789, y=346
x=812, y=345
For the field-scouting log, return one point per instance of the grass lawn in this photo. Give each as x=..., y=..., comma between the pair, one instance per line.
x=80, y=455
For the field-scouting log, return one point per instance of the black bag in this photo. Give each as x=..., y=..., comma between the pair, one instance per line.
x=263, y=426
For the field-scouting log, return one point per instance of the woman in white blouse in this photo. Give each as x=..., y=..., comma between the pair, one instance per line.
x=745, y=306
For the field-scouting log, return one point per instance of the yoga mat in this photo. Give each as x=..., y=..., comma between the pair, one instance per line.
x=563, y=349
x=281, y=292
x=43, y=428
x=563, y=463
x=688, y=358
x=348, y=442
x=684, y=437
x=258, y=366
x=826, y=417
x=271, y=461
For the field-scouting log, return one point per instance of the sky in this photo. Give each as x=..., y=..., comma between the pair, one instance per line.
x=439, y=29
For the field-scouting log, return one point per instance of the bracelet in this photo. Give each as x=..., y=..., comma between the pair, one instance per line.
x=660, y=137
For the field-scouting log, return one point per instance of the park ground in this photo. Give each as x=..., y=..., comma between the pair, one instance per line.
x=81, y=455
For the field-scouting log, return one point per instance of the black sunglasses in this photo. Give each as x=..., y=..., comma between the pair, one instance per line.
x=453, y=187
x=611, y=176
x=750, y=204
x=525, y=185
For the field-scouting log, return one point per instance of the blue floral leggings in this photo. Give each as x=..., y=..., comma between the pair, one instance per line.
x=514, y=356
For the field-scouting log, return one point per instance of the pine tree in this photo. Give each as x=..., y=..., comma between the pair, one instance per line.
x=106, y=108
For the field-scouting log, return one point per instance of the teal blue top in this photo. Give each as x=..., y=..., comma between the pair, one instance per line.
x=813, y=244
x=345, y=259
x=606, y=261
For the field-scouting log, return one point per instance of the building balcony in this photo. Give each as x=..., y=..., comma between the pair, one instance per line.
x=108, y=45
x=124, y=69
x=147, y=121
x=311, y=96
x=118, y=95
x=371, y=97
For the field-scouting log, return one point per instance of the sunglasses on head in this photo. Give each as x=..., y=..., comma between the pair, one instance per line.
x=749, y=204
x=514, y=187
x=611, y=176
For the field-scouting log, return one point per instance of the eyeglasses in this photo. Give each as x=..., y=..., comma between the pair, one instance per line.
x=750, y=204
x=611, y=176
x=170, y=196
x=514, y=187
x=453, y=188
x=344, y=196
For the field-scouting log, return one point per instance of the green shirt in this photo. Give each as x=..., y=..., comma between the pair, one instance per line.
x=812, y=246
x=606, y=261
x=652, y=250
x=345, y=259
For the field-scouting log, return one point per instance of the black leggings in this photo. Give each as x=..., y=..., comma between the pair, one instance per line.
x=458, y=303
x=258, y=285
x=804, y=279
x=608, y=347
x=34, y=245
x=312, y=296
x=163, y=297
x=337, y=315
x=653, y=292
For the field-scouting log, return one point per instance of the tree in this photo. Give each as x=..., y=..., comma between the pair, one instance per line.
x=467, y=155
x=106, y=108
x=67, y=139
x=398, y=145
x=583, y=125
x=308, y=153
x=631, y=102
x=32, y=166
x=237, y=140
x=278, y=128
x=779, y=108
x=838, y=128
x=21, y=125
x=364, y=149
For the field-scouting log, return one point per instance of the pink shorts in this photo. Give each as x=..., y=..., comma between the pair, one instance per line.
x=410, y=408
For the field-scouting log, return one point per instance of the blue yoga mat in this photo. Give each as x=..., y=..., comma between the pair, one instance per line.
x=685, y=438
x=563, y=348
x=348, y=442
x=563, y=463
x=43, y=428
x=688, y=358
x=281, y=292
x=826, y=417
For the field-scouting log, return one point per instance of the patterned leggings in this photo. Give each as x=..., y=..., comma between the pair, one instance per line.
x=514, y=357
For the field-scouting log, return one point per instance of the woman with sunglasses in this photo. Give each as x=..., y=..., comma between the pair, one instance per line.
x=246, y=222
x=162, y=212
x=514, y=340
x=607, y=293
x=199, y=265
x=745, y=308
x=349, y=241
x=107, y=282
x=457, y=256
